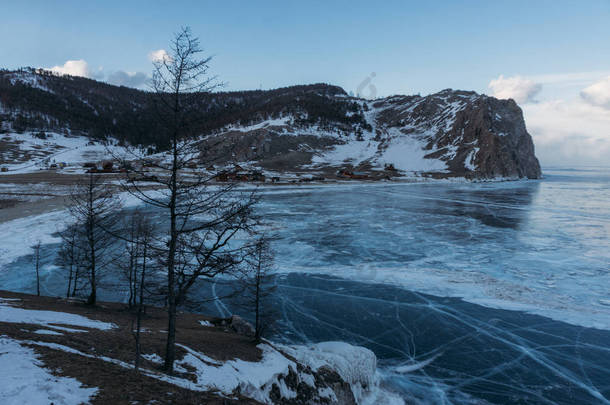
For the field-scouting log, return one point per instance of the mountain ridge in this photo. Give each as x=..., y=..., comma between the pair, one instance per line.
x=319, y=127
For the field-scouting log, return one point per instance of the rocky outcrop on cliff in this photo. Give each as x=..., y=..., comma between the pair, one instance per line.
x=476, y=136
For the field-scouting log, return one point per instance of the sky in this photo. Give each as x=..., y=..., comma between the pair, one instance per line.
x=552, y=57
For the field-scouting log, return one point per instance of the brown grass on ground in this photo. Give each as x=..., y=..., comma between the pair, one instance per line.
x=118, y=385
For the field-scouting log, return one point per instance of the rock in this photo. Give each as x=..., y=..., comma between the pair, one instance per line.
x=241, y=326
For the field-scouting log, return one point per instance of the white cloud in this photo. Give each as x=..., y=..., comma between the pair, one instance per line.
x=73, y=68
x=516, y=87
x=598, y=94
x=569, y=132
x=159, y=55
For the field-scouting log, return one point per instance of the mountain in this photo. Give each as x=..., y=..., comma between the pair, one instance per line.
x=314, y=128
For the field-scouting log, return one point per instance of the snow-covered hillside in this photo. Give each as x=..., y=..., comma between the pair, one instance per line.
x=29, y=151
x=318, y=127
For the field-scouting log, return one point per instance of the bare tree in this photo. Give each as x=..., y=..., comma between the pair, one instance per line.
x=37, y=264
x=68, y=257
x=142, y=235
x=94, y=210
x=129, y=263
x=257, y=285
x=201, y=218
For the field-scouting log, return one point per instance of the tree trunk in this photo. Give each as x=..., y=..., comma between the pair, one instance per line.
x=170, y=349
x=75, y=282
x=37, y=269
x=140, y=310
x=91, y=239
x=69, y=281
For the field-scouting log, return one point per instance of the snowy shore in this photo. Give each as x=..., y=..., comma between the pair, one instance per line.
x=332, y=372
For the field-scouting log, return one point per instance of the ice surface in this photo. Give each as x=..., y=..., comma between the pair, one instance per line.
x=532, y=246
x=356, y=260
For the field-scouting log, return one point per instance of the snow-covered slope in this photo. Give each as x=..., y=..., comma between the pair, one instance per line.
x=32, y=151
x=447, y=134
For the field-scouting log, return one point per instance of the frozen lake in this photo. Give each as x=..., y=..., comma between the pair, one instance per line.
x=477, y=293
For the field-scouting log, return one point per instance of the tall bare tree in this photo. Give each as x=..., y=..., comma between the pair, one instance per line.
x=141, y=240
x=94, y=210
x=202, y=219
x=258, y=286
x=68, y=257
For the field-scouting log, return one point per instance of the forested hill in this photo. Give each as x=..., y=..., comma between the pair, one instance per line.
x=32, y=100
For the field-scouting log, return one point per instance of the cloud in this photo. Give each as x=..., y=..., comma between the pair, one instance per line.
x=159, y=55
x=598, y=94
x=128, y=79
x=73, y=68
x=516, y=87
x=569, y=132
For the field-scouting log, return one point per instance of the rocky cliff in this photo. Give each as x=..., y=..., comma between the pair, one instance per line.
x=316, y=128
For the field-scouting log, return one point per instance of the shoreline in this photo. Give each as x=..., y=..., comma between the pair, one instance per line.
x=215, y=359
x=49, y=202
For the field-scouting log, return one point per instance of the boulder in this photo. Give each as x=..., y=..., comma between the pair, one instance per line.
x=241, y=326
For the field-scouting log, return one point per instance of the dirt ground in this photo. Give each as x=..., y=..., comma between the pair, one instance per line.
x=118, y=385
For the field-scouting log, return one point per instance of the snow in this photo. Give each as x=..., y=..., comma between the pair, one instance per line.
x=353, y=151
x=20, y=235
x=470, y=158
x=47, y=332
x=153, y=357
x=24, y=380
x=12, y=314
x=30, y=79
x=407, y=153
x=74, y=150
x=253, y=379
x=355, y=364
x=263, y=124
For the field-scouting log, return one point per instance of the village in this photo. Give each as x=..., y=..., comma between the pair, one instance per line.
x=141, y=171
